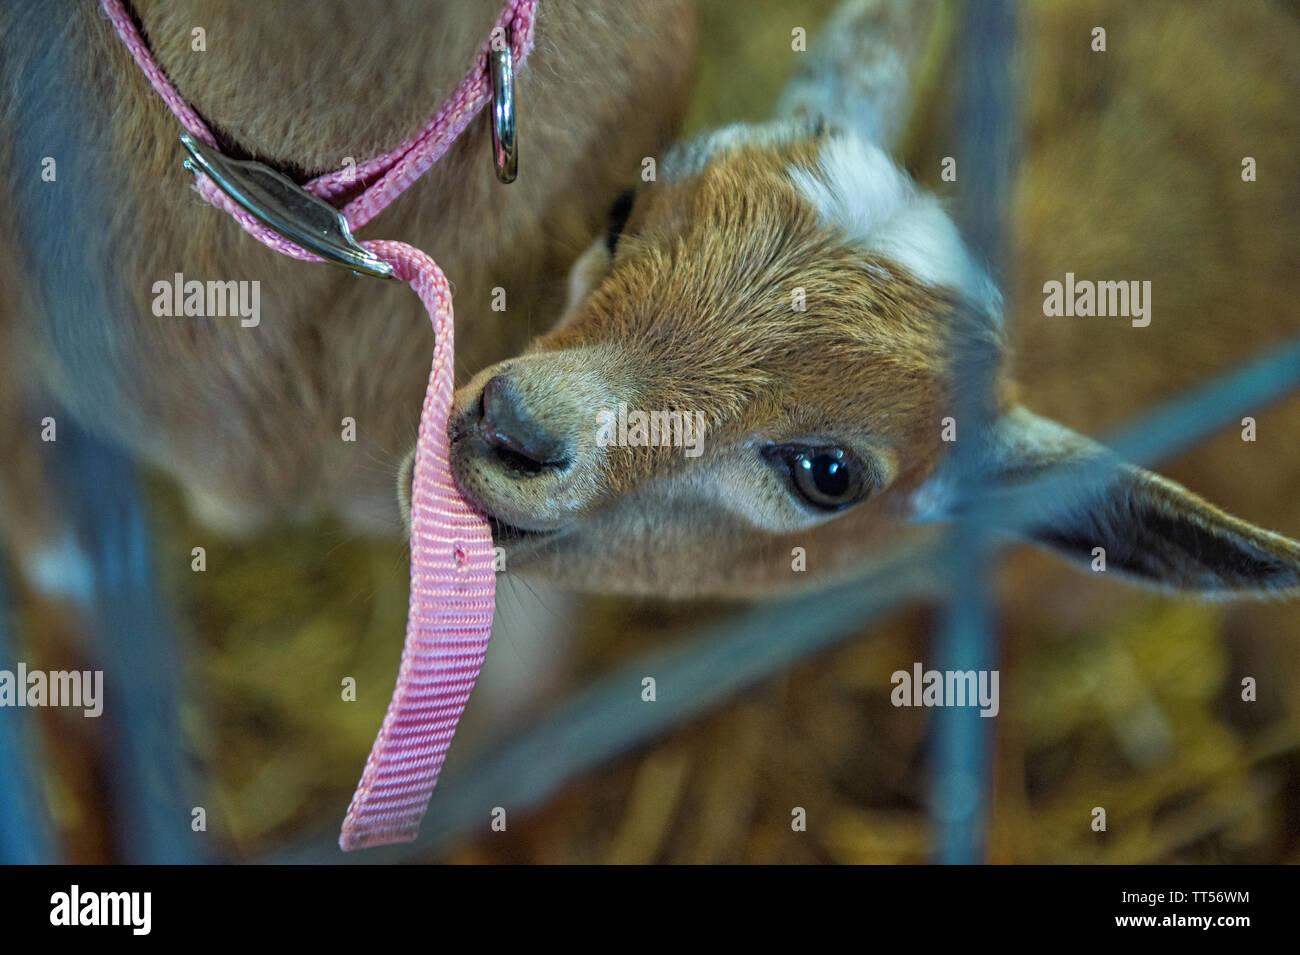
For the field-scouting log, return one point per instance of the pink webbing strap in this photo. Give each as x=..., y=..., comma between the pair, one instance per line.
x=449, y=619
x=453, y=584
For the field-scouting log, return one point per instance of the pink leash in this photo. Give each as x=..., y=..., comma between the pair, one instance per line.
x=453, y=585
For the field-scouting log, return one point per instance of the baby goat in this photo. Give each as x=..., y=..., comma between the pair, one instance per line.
x=792, y=288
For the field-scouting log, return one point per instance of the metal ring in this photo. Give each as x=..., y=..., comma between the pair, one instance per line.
x=505, y=149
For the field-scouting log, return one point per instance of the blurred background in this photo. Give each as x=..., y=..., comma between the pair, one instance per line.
x=1129, y=167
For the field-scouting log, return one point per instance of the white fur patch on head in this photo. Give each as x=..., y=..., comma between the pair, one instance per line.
x=857, y=188
x=689, y=158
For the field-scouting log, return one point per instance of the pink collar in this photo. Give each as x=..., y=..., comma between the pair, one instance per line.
x=453, y=584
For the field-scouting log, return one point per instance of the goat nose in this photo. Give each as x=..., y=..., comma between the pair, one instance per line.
x=518, y=439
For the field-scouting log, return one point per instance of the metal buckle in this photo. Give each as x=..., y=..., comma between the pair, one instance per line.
x=505, y=149
x=285, y=208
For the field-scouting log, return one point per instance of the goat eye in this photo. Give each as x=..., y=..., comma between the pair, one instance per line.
x=618, y=214
x=827, y=478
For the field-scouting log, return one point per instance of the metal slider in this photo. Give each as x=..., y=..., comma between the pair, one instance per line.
x=285, y=208
x=505, y=148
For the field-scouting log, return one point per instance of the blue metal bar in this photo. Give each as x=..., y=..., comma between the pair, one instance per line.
x=133, y=642
x=961, y=759
x=1186, y=421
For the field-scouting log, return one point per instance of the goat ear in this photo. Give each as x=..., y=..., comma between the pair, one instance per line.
x=1064, y=491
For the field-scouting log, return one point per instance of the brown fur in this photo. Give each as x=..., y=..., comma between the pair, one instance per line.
x=248, y=419
x=694, y=314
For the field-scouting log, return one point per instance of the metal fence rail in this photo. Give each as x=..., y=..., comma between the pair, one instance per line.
x=961, y=759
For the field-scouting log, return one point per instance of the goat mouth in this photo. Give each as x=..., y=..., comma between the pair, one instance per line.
x=503, y=533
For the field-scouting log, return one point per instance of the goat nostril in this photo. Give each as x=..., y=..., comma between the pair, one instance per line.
x=519, y=440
